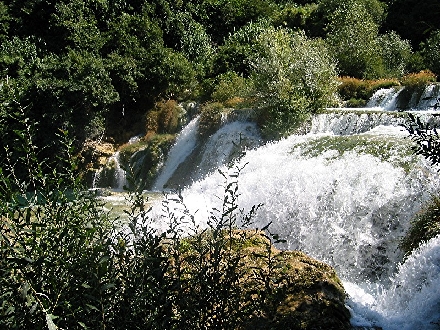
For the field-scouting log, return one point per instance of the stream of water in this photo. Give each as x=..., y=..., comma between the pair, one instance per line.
x=345, y=194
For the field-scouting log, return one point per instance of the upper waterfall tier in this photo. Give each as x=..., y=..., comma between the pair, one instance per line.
x=404, y=99
x=350, y=121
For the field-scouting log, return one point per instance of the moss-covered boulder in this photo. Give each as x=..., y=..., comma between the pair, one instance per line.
x=299, y=292
x=424, y=226
x=238, y=280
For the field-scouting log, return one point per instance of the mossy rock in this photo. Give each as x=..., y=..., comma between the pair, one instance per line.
x=277, y=289
x=424, y=226
x=306, y=293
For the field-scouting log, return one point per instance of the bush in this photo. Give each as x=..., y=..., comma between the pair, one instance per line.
x=293, y=77
x=231, y=89
x=418, y=80
x=164, y=118
x=210, y=118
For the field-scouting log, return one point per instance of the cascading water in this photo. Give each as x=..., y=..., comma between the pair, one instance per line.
x=398, y=99
x=111, y=175
x=185, y=143
x=385, y=98
x=346, y=200
x=190, y=160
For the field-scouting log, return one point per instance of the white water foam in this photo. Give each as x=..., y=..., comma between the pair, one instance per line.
x=384, y=98
x=348, y=209
x=185, y=143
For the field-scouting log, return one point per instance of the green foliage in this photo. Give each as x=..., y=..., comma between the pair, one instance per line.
x=210, y=118
x=426, y=138
x=293, y=16
x=294, y=76
x=165, y=117
x=431, y=52
x=77, y=23
x=352, y=36
x=209, y=265
x=53, y=243
x=232, y=88
x=97, y=68
x=223, y=17
x=396, y=54
x=17, y=58
x=353, y=33
x=238, y=49
x=4, y=21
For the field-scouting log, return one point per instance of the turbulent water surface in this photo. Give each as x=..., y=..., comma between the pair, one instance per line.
x=344, y=193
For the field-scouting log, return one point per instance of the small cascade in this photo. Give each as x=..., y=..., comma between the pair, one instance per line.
x=229, y=142
x=185, y=143
x=429, y=99
x=391, y=99
x=347, y=123
x=203, y=157
x=385, y=99
x=112, y=175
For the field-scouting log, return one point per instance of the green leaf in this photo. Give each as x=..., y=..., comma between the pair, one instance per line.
x=49, y=322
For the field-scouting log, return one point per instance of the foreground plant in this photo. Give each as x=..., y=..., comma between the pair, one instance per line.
x=66, y=264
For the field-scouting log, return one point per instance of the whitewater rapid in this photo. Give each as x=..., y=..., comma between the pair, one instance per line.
x=347, y=207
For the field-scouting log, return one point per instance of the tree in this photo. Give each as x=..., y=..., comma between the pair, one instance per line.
x=430, y=50
x=293, y=76
x=352, y=36
x=396, y=54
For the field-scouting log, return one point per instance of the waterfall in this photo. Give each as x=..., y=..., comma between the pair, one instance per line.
x=190, y=160
x=185, y=143
x=384, y=98
x=397, y=98
x=345, y=194
x=111, y=175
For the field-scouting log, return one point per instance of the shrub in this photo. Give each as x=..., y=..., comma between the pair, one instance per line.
x=210, y=118
x=164, y=118
x=230, y=85
x=418, y=80
x=293, y=77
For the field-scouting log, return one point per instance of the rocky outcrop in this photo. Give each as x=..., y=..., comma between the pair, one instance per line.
x=299, y=291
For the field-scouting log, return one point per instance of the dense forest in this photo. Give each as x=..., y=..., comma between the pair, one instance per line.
x=97, y=68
